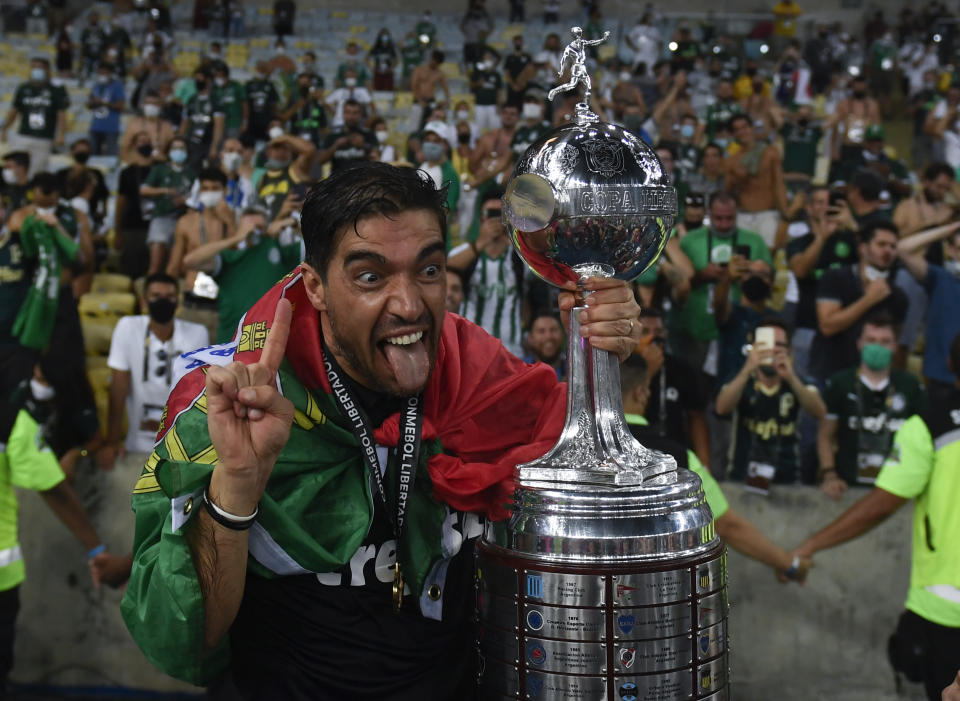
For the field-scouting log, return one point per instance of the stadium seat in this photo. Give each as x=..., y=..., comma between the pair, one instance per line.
x=96, y=335
x=111, y=282
x=107, y=305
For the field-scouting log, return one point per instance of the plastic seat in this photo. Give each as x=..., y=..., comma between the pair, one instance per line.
x=97, y=334
x=99, y=305
x=111, y=282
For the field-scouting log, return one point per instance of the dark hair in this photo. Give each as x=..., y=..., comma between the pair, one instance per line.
x=81, y=140
x=715, y=146
x=868, y=184
x=438, y=56
x=934, y=170
x=247, y=140
x=880, y=319
x=362, y=190
x=737, y=118
x=351, y=102
x=548, y=313
x=722, y=197
x=668, y=148
x=76, y=183
x=21, y=158
x=47, y=182
x=41, y=59
x=815, y=189
x=778, y=321
x=161, y=278
x=633, y=372
x=212, y=174
x=869, y=232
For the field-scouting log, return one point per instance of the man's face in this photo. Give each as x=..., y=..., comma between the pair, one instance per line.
x=81, y=149
x=653, y=327
x=278, y=152
x=723, y=216
x=724, y=90
x=546, y=339
x=818, y=204
x=509, y=117
x=937, y=188
x=45, y=199
x=880, y=335
x=232, y=146
x=881, y=251
x=666, y=158
x=352, y=51
x=518, y=45
x=383, y=300
x=712, y=159
x=454, y=292
x=156, y=291
x=211, y=186
x=743, y=131
x=351, y=115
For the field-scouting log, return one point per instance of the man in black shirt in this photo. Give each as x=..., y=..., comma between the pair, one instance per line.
x=676, y=407
x=824, y=247
x=349, y=143
x=129, y=221
x=845, y=295
x=262, y=101
x=513, y=66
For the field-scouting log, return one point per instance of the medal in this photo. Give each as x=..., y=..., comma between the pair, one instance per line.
x=397, y=588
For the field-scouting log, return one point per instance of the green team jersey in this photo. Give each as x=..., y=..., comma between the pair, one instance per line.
x=719, y=113
x=867, y=419
x=923, y=466
x=244, y=275
x=526, y=134
x=800, y=148
x=703, y=246
x=231, y=97
x=883, y=55
x=38, y=106
x=766, y=431
x=26, y=461
x=411, y=54
x=167, y=175
x=199, y=114
x=358, y=67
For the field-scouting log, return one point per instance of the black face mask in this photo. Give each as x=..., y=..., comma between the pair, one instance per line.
x=803, y=122
x=81, y=157
x=161, y=310
x=304, y=90
x=859, y=94
x=693, y=223
x=201, y=85
x=755, y=289
x=145, y=150
x=768, y=370
x=463, y=137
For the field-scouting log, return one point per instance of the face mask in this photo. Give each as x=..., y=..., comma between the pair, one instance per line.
x=151, y=110
x=952, y=267
x=803, y=122
x=755, y=289
x=859, y=94
x=625, y=76
x=38, y=74
x=304, y=90
x=280, y=50
x=210, y=199
x=201, y=85
x=875, y=273
x=693, y=224
x=81, y=157
x=145, y=150
x=275, y=132
x=40, y=391
x=432, y=152
x=463, y=137
x=46, y=211
x=178, y=155
x=876, y=357
x=532, y=111
x=220, y=82
x=9, y=176
x=768, y=370
x=722, y=143
x=275, y=164
x=463, y=115
x=350, y=82
x=231, y=161
x=382, y=136
x=103, y=78
x=161, y=310
x=686, y=131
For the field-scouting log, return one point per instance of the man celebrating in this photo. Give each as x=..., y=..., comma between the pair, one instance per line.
x=323, y=529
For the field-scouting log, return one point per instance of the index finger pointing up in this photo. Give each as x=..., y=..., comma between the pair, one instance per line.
x=275, y=346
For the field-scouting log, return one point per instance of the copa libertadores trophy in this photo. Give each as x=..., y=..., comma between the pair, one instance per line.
x=608, y=580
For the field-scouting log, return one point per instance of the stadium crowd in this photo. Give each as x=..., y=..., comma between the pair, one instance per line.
x=799, y=316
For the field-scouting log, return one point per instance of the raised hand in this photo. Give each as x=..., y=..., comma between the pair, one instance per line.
x=249, y=421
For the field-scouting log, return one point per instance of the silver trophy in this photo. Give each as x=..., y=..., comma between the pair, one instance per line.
x=608, y=580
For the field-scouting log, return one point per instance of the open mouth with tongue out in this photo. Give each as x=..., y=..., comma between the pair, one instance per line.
x=408, y=359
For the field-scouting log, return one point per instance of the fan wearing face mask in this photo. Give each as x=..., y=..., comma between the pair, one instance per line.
x=210, y=219
x=16, y=183
x=437, y=164
x=767, y=395
x=166, y=186
x=532, y=125
x=736, y=318
x=159, y=131
x=142, y=353
x=41, y=109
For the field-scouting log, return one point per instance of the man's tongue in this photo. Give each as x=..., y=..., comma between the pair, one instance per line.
x=410, y=365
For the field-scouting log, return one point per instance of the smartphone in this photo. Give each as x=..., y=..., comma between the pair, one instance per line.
x=836, y=197
x=765, y=338
x=742, y=250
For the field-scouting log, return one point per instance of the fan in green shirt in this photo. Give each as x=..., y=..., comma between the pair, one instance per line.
x=249, y=263
x=922, y=465
x=232, y=98
x=710, y=250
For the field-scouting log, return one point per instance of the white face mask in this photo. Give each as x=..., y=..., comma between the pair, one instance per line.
x=625, y=76
x=463, y=115
x=9, y=176
x=875, y=273
x=231, y=161
x=151, y=110
x=350, y=82
x=46, y=210
x=40, y=391
x=210, y=199
x=382, y=136
x=532, y=111
x=220, y=82
x=275, y=132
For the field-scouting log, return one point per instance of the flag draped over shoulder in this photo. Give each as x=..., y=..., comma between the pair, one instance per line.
x=484, y=412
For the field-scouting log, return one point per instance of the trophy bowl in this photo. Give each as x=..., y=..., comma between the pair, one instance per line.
x=589, y=199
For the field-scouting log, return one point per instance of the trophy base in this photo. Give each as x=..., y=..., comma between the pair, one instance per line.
x=655, y=630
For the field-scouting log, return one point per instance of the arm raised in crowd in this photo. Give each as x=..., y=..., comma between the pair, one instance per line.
x=730, y=393
x=834, y=318
x=912, y=248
